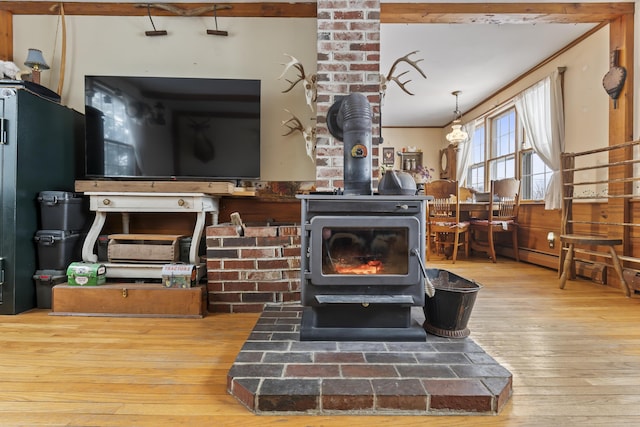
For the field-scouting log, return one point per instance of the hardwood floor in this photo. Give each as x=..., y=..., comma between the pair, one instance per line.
x=574, y=355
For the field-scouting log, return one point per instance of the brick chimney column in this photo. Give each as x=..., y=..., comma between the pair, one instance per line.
x=348, y=62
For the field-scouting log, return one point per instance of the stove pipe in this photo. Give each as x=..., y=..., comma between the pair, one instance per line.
x=349, y=120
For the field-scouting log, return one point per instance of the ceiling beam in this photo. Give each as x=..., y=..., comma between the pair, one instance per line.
x=238, y=10
x=6, y=36
x=621, y=39
x=502, y=13
x=457, y=13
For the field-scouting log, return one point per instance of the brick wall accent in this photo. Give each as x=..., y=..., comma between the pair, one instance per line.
x=244, y=272
x=348, y=61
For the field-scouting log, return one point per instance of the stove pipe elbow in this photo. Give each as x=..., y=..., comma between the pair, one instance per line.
x=350, y=120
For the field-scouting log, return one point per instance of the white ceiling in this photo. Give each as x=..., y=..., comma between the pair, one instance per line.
x=476, y=59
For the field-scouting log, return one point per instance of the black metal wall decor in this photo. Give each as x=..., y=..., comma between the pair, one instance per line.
x=613, y=81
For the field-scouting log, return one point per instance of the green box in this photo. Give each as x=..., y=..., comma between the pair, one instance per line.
x=86, y=274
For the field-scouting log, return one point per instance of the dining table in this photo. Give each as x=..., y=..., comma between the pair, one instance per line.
x=474, y=206
x=470, y=209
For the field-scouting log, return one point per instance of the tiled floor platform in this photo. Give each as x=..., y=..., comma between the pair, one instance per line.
x=275, y=372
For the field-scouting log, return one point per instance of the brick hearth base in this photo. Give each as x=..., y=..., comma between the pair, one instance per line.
x=275, y=372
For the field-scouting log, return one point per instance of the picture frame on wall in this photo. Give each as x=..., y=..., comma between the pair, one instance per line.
x=388, y=156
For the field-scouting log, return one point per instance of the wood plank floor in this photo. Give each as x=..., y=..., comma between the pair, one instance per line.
x=574, y=355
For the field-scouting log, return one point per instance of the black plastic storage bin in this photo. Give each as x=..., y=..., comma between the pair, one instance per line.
x=62, y=210
x=58, y=248
x=185, y=247
x=102, y=247
x=45, y=281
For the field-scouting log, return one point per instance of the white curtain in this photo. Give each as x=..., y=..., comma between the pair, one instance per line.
x=463, y=155
x=540, y=109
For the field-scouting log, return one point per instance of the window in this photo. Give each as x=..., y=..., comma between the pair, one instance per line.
x=495, y=150
x=119, y=156
x=502, y=162
x=535, y=176
x=475, y=175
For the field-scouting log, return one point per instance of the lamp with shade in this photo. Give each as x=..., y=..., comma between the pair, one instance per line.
x=457, y=135
x=35, y=61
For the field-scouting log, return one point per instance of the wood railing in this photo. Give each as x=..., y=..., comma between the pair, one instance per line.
x=603, y=174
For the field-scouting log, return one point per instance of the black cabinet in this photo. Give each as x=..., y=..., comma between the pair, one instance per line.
x=39, y=139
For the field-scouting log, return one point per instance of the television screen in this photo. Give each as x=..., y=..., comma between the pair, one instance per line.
x=172, y=128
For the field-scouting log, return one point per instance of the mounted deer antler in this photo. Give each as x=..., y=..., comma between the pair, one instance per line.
x=384, y=80
x=309, y=133
x=310, y=82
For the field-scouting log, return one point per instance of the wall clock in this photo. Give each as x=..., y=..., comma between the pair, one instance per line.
x=448, y=163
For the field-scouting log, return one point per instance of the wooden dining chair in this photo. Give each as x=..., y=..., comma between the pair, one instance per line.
x=504, y=201
x=444, y=227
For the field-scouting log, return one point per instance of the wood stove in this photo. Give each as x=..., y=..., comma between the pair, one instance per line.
x=362, y=268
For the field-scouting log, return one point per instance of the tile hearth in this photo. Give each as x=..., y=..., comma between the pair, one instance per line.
x=275, y=372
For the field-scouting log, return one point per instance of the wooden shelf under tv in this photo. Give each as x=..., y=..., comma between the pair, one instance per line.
x=216, y=188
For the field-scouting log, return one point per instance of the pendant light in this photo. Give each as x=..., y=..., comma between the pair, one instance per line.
x=457, y=135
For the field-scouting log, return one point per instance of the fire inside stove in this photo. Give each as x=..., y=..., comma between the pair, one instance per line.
x=371, y=267
x=364, y=251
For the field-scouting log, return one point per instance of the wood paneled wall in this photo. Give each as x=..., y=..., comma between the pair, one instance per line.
x=535, y=223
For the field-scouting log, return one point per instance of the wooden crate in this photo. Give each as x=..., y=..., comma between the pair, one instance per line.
x=162, y=248
x=129, y=300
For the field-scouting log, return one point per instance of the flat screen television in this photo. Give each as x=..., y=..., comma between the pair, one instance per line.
x=171, y=128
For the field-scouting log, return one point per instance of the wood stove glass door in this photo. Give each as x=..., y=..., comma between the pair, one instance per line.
x=365, y=250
